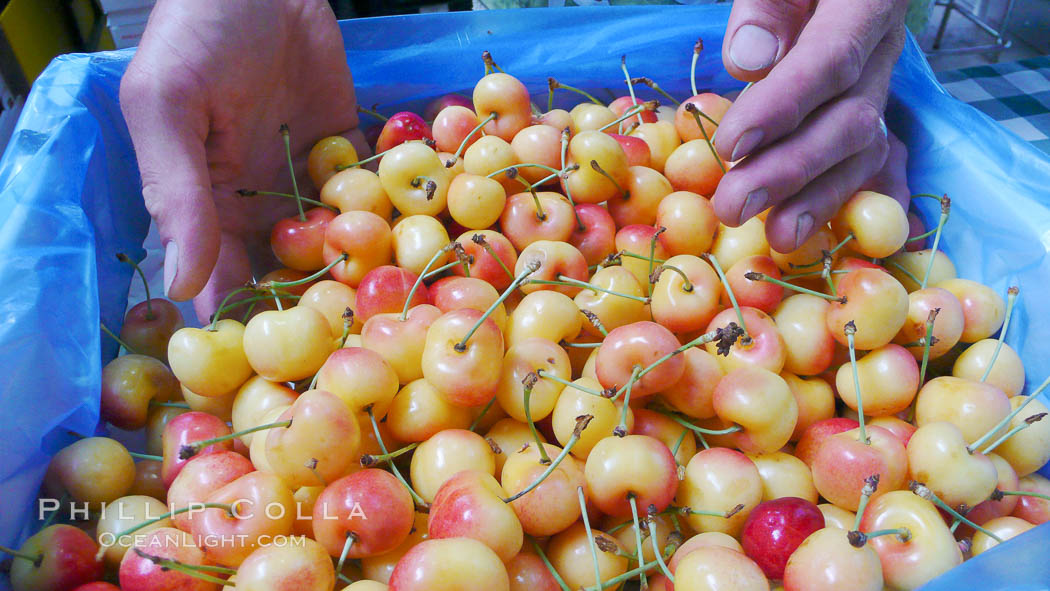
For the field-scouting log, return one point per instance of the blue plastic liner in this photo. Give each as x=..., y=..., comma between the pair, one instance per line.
x=70, y=199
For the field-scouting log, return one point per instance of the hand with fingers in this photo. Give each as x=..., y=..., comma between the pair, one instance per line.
x=204, y=99
x=811, y=125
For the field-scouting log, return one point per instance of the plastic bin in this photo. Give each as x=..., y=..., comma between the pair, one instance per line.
x=69, y=199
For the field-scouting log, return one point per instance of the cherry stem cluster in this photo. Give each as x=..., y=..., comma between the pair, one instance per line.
x=1006, y=420
x=924, y=492
x=393, y=467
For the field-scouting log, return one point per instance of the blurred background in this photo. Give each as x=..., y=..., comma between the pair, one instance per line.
x=959, y=36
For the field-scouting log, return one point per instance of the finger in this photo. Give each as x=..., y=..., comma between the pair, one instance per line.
x=168, y=126
x=791, y=222
x=826, y=60
x=892, y=178
x=829, y=135
x=232, y=271
x=759, y=33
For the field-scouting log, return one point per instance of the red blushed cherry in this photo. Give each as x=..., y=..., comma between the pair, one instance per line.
x=148, y=327
x=815, y=435
x=385, y=289
x=299, y=243
x=97, y=586
x=371, y=506
x=400, y=128
x=481, y=261
x=187, y=429
x=774, y=529
x=843, y=462
x=635, y=465
x=710, y=104
x=430, y=112
x=452, y=125
x=524, y=224
x=757, y=294
x=598, y=238
x=637, y=151
x=623, y=103
x=138, y=572
x=638, y=345
x=67, y=559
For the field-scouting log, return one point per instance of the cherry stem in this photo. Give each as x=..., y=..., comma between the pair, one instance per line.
x=598, y=168
x=35, y=560
x=651, y=84
x=348, y=322
x=928, y=196
x=530, y=268
x=181, y=567
x=633, y=111
x=567, y=383
x=443, y=251
x=1020, y=493
x=725, y=337
x=695, y=112
x=393, y=467
x=590, y=537
x=710, y=258
x=1027, y=423
x=484, y=411
x=109, y=332
x=824, y=254
x=723, y=514
x=286, y=138
x=648, y=566
x=652, y=258
x=922, y=236
x=794, y=276
x=924, y=492
x=569, y=281
x=373, y=112
x=515, y=168
x=697, y=48
x=230, y=510
x=223, y=306
x=490, y=64
x=630, y=86
x=565, y=170
x=1011, y=300
x=140, y=456
x=1006, y=420
x=581, y=424
x=678, y=444
x=351, y=537
x=344, y=579
x=529, y=381
x=928, y=342
x=580, y=345
x=701, y=430
x=371, y=460
x=479, y=239
x=850, y=330
x=624, y=253
x=595, y=321
x=463, y=144
x=250, y=193
x=191, y=449
x=656, y=548
x=550, y=567
x=638, y=536
x=871, y=484
x=554, y=85
x=946, y=205
x=270, y=285
x=621, y=428
x=858, y=539
x=757, y=276
x=145, y=284
x=540, y=214
x=687, y=286
x=311, y=464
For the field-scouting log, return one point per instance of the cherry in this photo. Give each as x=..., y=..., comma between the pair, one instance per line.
x=365, y=239
x=369, y=510
x=629, y=350
x=386, y=289
x=774, y=529
x=327, y=156
x=357, y=189
x=400, y=128
x=508, y=98
x=300, y=563
x=597, y=239
x=454, y=564
x=129, y=384
x=827, y=561
x=298, y=241
x=470, y=505
x=162, y=559
x=57, y=558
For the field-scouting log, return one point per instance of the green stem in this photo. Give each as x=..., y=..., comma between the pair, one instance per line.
x=443, y=251
x=440, y=270
x=169, y=404
x=373, y=113
x=812, y=274
x=850, y=330
x=723, y=514
x=463, y=144
x=1028, y=423
x=286, y=138
x=317, y=275
x=922, y=491
x=581, y=345
x=906, y=272
x=678, y=443
x=222, y=307
x=175, y=565
x=695, y=112
x=484, y=411
x=701, y=430
x=871, y=484
x=529, y=382
x=697, y=48
x=626, y=115
x=1006, y=420
x=515, y=167
x=554, y=84
x=640, y=257
x=946, y=204
x=638, y=537
x=756, y=276
x=371, y=460
x=569, y=281
x=687, y=286
x=530, y=269
x=656, y=549
x=191, y=449
x=550, y=567
x=652, y=256
x=109, y=332
x=139, y=456
x=652, y=84
x=621, y=428
x=590, y=537
x=729, y=291
x=630, y=87
x=192, y=507
x=479, y=239
x=567, y=383
x=1011, y=300
x=351, y=537
x=145, y=284
x=249, y=193
x=928, y=341
x=393, y=467
x=35, y=560
x=1024, y=493
x=581, y=424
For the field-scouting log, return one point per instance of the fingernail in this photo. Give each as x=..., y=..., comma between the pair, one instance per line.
x=171, y=264
x=753, y=48
x=755, y=203
x=805, y=224
x=747, y=143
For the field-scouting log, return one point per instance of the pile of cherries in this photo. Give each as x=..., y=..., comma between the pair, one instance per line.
x=524, y=354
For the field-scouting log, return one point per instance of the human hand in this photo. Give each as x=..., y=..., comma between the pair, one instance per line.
x=811, y=125
x=204, y=98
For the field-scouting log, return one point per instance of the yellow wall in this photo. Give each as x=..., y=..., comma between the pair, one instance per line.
x=39, y=30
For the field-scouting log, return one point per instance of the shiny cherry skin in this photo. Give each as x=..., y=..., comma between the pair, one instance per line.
x=774, y=529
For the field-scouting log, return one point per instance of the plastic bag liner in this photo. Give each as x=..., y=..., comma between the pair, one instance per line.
x=69, y=200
